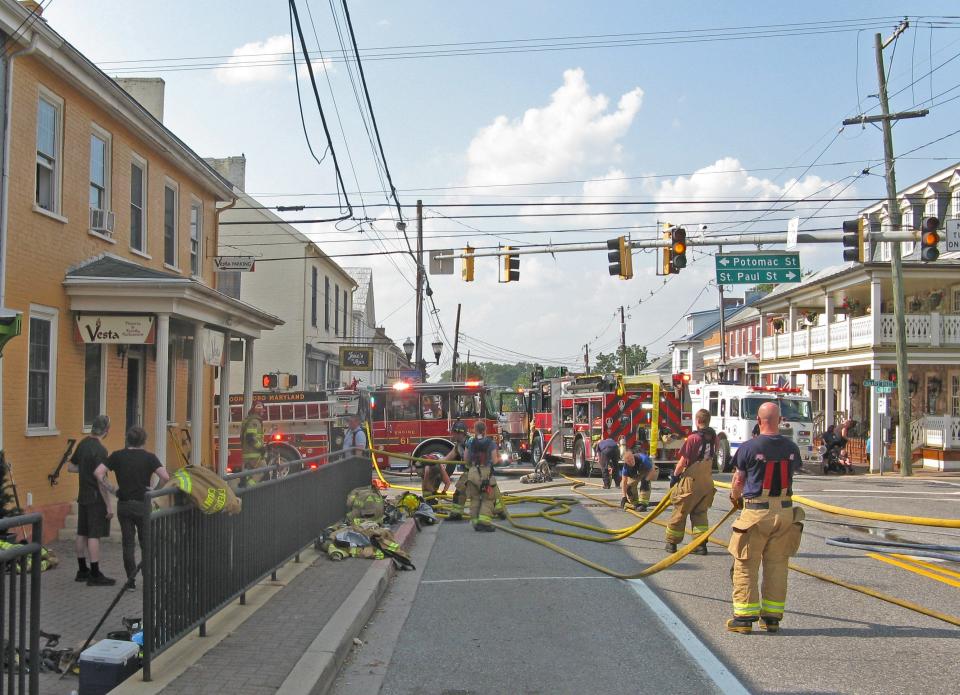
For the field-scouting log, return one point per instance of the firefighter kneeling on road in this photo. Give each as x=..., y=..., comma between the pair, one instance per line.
x=637, y=470
x=458, y=455
x=769, y=528
x=433, y=475
x=693, y=482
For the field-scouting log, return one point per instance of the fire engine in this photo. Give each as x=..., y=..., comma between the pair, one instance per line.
x=296, y=424
x=569, y=416
x=733, y=411
x=414, y=419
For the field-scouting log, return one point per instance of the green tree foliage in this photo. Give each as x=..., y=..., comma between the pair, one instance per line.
x=498, y=374
x=637, y=360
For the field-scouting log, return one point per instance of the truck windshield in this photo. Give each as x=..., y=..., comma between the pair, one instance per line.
x=790, y=409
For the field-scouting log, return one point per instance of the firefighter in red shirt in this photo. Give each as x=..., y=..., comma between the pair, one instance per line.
x=693, y=478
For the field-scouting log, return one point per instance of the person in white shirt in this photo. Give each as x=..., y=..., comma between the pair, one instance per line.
x=354, y=438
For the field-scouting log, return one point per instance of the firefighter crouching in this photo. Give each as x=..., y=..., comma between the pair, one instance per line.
x=637, y=471
x=251, y=442
x=693, y=482
x=481, y=453
x=458, y=455
x=769, y=528
x=433, y=475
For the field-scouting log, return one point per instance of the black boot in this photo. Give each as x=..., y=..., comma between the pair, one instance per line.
x=670, y=547
x=742, y=625
x=700, y=550
x=769, y=624
x=623, y=503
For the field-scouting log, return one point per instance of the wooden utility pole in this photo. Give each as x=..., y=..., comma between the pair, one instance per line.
x=456, y=342
x=586, y=358
x=623, y=342
x=420, y=279
x=722, y=368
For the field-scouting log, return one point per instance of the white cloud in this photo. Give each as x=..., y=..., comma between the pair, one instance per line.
x=320, y=65
x=264, y=61
x=383, y=23
x=574, y=131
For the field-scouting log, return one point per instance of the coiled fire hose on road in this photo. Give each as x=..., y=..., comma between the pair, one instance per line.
x=940, y=552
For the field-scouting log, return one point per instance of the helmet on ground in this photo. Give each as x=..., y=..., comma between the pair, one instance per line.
x=348, y=538
x=425, y=514
x=409, y=502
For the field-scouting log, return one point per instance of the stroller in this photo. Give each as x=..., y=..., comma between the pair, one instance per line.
x=835, y=459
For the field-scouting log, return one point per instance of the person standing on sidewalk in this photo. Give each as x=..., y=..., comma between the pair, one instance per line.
x=94, y=509
x=134, y=468
x=693, y=479
x=769, y=528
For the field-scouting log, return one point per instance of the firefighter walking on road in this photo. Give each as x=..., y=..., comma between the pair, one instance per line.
x=481, y=453
x=251, y=442
x=693, y=482
x=769, y=528
x=458, y=454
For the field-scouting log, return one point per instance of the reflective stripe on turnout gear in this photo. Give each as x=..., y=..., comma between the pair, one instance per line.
x=746, y=609
x=772, y=607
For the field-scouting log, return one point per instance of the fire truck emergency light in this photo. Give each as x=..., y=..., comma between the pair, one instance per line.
x=473, y=384
x=401, y=386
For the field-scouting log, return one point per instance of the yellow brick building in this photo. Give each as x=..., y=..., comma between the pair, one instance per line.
x=108, y=226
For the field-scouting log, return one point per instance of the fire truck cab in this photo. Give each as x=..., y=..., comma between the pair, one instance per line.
x=733, y=411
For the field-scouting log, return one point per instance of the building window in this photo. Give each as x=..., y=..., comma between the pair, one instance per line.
x=313, y=297
x=345, y=324
x=93, y=383
x=333, y=376
x=228, y=283
x=956, y=203
x=955, y=395
x=172, y=380
x=336, y=310
x=100, y=170
x=170, y=225
x=42, y=368
x=49, y=140
x=316, y=379
x=196, y=236
x=138, y=206
x=326, y=304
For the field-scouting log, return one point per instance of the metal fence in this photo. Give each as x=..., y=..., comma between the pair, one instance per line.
x=20, y=567
x=195, y=564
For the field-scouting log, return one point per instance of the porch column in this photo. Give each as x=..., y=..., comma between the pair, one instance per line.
x=248, y=375
x=845, y=402
x=223, y=448
x=876, y=300
x=163, y=380
x=876, y=425
x=760, y=347
x=196, y=398
x=828, y=405
x=791, y=322
x=828, y=316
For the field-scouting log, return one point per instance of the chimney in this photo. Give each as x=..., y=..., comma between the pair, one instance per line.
x=148, y=91
x=233, y=169
x=32, y=6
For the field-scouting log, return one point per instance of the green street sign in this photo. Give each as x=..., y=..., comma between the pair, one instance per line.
x=883, y=383
x=753, y=277
x=754, y=268
x=884, y=389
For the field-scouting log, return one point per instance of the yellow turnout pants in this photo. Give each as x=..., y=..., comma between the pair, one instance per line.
x=692, y=497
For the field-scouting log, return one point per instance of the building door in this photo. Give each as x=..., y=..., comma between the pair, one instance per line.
x=134, y=408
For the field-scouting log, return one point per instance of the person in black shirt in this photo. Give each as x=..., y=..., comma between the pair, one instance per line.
x=93, y=504
x=134, y=468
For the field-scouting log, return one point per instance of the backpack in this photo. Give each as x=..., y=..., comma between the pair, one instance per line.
x=365, y=504
x=207, y=491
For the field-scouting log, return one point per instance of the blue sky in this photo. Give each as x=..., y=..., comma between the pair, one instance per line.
x=757, y=104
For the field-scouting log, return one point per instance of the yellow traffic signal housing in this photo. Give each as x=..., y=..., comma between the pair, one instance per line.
x=667, y=256
x=466, y=271
x=620, y=257
x=853, y=240
x=511, y=266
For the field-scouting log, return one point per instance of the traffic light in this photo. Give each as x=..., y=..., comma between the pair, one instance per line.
x=929, y=240
x=680, y=379
x=666, y=254
x=271, y=381
x=678, y=249
x=467, y=271
x=511, y=266
x=620, y=257
x=853, y=240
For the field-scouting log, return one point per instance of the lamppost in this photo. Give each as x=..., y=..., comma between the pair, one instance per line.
x=437, y=349
x=408, y=349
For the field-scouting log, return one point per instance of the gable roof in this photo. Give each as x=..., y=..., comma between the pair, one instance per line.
x=110, y=266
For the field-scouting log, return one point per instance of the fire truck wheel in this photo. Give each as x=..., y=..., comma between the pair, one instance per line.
x=724, y=459
x=580, y=461
x=284, y=455
x=433, y=448
x=536, y=450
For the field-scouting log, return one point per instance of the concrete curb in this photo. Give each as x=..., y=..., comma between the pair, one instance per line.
x=317, y=669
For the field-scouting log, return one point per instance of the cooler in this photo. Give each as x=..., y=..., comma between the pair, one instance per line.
x=106, y=665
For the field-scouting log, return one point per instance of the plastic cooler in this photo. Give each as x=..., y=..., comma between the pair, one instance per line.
x=106, y=665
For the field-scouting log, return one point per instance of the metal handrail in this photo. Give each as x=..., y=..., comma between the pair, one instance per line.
x=20, y=632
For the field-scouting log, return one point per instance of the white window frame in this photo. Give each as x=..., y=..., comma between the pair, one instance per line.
x=56, y=101
x=51, y=315
x=908, y=221
x=141, y=163
x=955, y=198
x=954, y=378
x=107, y=139
x=171, y=184
x=103, y=386
x=196, y=204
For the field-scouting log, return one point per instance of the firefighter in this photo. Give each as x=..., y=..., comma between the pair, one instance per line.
x=637, y=470
x=433, y=474
x=458, y=454
x=481, y=453
x=769, y=528
x=251, y=442
x=608, y=452
x=693, y=479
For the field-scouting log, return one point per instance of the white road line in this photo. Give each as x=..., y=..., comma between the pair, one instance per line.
x=504, y=579
x=881, y=497
x=888, y=492
x=725, y=681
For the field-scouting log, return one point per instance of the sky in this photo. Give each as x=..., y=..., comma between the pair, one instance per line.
x=592, y=102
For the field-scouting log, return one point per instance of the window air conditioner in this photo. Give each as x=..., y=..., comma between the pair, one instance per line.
x=101, y=221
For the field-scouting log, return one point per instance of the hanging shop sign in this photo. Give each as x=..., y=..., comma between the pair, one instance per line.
x=357, y=359
x=105, y=328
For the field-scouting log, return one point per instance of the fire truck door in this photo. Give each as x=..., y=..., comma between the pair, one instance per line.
x=403, y=418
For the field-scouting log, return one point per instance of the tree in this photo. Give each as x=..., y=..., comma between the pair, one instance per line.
x=637, y=360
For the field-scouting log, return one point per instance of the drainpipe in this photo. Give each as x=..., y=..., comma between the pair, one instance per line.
x=5, y=185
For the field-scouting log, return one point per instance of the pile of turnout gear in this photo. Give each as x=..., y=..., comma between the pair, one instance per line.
x=207, y=491
x=541, y=474
x=365, y=532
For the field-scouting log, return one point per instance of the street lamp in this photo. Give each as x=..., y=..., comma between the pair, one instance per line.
x=408, y=349
x=437, y=349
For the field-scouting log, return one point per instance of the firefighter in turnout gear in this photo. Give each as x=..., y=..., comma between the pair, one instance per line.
x=637, y=471
x=458, y=454
x=769, y=528
x=433, y=474
x=481, y=453
x=693, y=479
x=251, y=441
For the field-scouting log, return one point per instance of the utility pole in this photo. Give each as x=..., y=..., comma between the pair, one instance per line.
x=623, y=341
x=456, y=342
x=466, y=374
x=586, y=358
x=904, y=445
x=723, y=336
x=419, y=340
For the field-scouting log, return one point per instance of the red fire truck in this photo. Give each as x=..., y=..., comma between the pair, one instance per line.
x=569, y=415
x=296, y=424
x=415, y=419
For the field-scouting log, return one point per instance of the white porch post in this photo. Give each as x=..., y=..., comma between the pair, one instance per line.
x=163, y=380
x=828, y=317
x=845, y=402
x=223, y=450
x=876, y=422
x=248, y=375
x=196, y=397
x=876, y=300
x=828, y=415
x=760, y=347
x=791, y=322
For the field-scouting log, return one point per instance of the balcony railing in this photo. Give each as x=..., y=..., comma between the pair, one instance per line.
x=923, y=330
x=936, y=431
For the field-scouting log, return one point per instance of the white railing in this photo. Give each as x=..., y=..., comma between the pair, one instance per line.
x=783, y=343
x=818, y=339
x=800, y=342
x=838, y=335
x=951, y=329
x=861, y=331
x=769, y=343
x=937, y=431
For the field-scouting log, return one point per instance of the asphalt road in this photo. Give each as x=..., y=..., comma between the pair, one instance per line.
x=492, y=613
